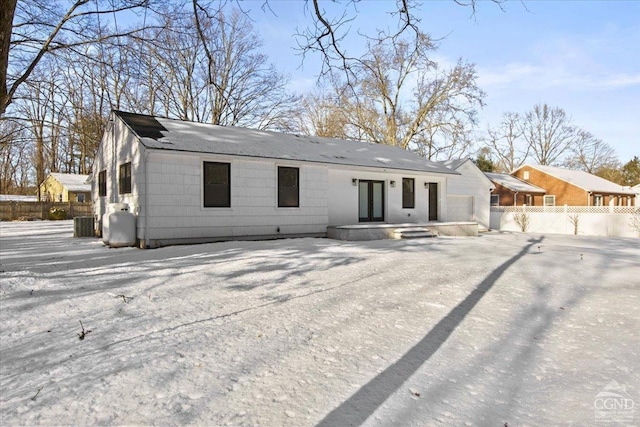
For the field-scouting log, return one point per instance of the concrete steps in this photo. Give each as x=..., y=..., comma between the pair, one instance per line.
x=412, y=233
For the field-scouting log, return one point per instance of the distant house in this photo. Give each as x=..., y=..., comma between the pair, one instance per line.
x=65, y=187
x=574, y=188
x=468, y=194
x=511, y=191
x=192, y=182
x=636, y=189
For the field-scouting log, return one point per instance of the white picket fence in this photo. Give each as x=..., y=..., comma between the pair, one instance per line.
x=619, y=221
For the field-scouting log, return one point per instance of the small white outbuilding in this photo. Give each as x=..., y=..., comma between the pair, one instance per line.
x=192, y=182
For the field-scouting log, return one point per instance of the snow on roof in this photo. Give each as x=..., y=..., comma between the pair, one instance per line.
x=177, y=135
x=17, y=198
x=583, y=180
x=454, y=163
x=513, y=183
x=73, y=182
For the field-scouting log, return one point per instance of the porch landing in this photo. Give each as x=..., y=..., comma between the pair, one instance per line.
x=401, y=231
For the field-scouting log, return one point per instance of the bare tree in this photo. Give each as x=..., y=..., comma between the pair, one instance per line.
x=401, y=98
x=40, y=28
x=15, y=157
x=507, y=144
x=332, y=22
x=320, y=114
x=549, y=133
x=589, y=153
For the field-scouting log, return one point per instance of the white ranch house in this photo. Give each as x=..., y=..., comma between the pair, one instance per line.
x=191, y=182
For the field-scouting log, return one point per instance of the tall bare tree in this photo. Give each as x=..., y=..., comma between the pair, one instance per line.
x=244, y=89
x=507, y=144
x=402, y=98
x=41, y=27
x=549, y=133
x=589, y=153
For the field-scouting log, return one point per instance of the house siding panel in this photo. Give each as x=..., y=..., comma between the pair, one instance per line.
x=175, y=203
x=472, y=182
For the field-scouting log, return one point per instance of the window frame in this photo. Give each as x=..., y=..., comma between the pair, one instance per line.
x=528, y=199
x=545, y=200
x=102, y=183
x=598, y=200
x=226, y=203
x=124, y=178
x=497, y=196
x=283, y=192
x=409, y=197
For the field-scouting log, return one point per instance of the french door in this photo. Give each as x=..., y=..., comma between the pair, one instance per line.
x=370, y=201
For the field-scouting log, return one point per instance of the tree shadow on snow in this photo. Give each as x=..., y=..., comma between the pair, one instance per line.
x=356, y=409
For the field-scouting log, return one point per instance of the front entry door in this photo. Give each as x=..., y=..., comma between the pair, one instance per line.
x=433, y=201
x=370, y=201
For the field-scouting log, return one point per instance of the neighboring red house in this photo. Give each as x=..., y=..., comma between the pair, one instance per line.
x=574, y=188
x=511, y=191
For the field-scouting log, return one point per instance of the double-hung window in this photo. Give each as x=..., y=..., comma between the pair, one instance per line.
x=288, y=187
x=124, y=178
x=408, y=193
x=217, y=185
x=102, y=183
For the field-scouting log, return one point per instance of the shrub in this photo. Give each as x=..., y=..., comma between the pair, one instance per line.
x=522, y=219
x=57, y=214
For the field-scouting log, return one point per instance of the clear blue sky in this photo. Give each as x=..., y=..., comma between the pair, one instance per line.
x=582, y=56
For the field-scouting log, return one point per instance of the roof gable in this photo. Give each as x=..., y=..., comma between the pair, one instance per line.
x=73, y=182
x=584, y=180
x=456, y=164
x=176, y=135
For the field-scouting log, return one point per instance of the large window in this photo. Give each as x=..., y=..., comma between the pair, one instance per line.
x=408, y=193
x=217, y=185
x=102, y=183
x=124, y=179
x=288, y=187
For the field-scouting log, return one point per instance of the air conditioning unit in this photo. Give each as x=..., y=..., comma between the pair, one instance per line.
x=83, y=226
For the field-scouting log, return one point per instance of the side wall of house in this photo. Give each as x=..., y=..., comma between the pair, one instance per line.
x=117, y=147
x=51, y=190
x=472, y=182
x=565, y=192
x=343, y=195
x=176, y=209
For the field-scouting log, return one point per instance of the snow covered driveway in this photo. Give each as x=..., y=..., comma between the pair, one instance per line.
x=504, y=328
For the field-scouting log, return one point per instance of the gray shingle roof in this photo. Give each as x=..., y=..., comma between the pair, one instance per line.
x=584, y=180
x=177, y=135
x=513, y=183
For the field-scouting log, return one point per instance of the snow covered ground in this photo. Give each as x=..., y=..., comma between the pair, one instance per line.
x=503, y=328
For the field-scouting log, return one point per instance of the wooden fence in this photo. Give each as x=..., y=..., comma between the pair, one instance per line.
x=25, y=211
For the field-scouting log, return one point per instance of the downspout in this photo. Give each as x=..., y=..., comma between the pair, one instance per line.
x=589, y=198
x=145, y=209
